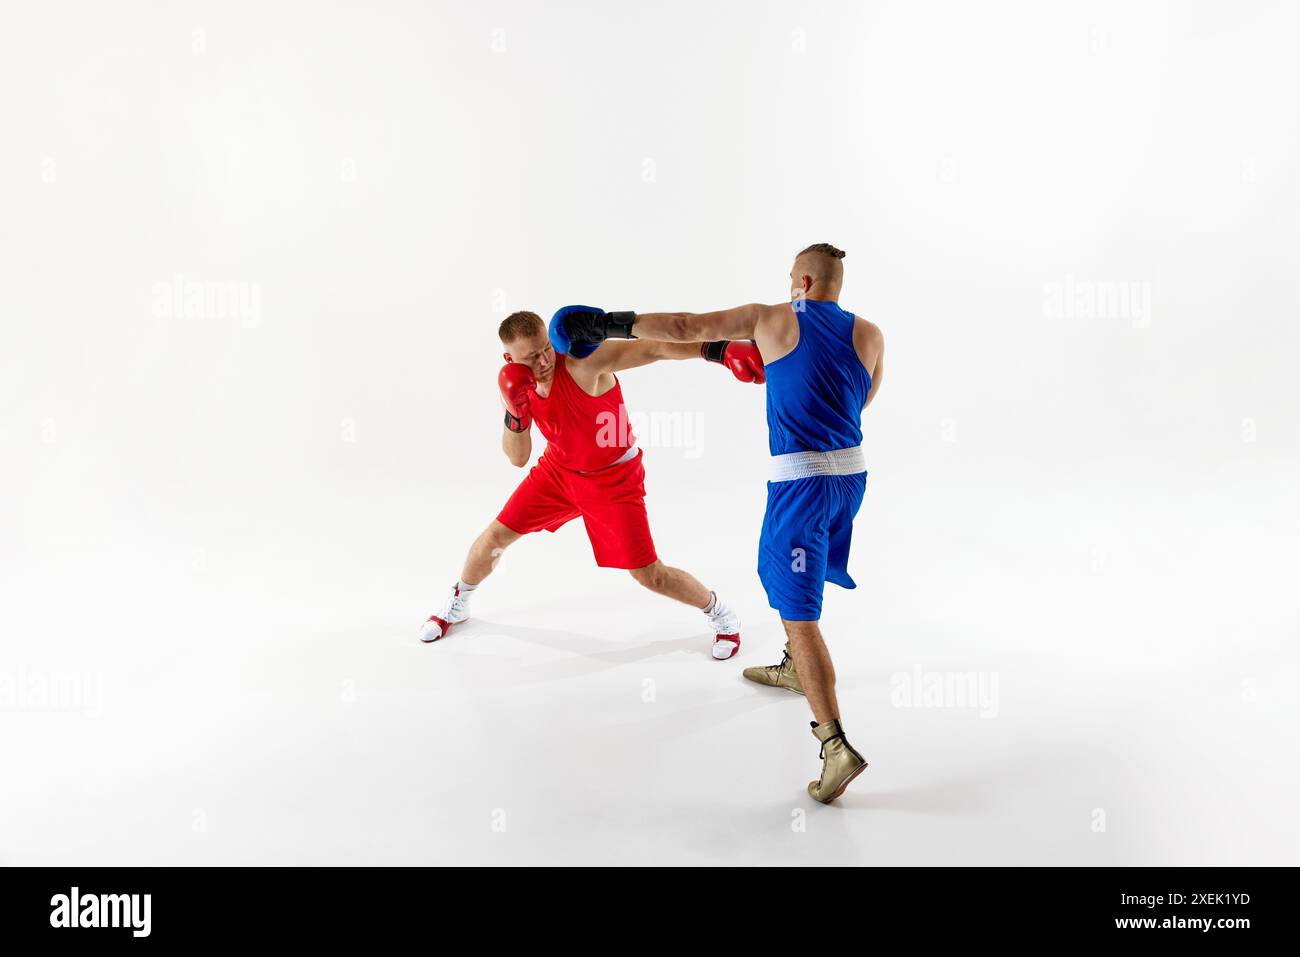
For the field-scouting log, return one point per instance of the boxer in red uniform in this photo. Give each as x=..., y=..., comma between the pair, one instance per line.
x=591, y=467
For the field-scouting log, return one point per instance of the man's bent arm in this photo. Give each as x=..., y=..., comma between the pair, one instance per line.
x=518, y=446
x=877, y=377
x=615, y=355
x=875, y=342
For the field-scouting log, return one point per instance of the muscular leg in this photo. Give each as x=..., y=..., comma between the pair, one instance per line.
x=813, y=663
x=485, y=552
x=673, y=582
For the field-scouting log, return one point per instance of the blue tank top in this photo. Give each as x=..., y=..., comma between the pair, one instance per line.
x=816, y=393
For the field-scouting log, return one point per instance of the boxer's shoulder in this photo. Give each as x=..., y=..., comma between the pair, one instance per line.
x=867, y=333
x=590, y=375
x=868, y=341
x=776, y=331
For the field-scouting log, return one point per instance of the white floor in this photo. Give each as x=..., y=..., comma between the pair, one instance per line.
x=263, y=699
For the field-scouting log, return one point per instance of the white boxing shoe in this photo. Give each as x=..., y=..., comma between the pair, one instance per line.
x=453, y=613
x=726, y=630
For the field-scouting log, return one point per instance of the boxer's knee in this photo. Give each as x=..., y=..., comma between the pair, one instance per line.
x=808, y=646
x=497, y=538
x=653, y=576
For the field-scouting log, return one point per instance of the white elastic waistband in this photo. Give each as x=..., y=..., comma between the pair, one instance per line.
x=797, y=465
x=627, y=456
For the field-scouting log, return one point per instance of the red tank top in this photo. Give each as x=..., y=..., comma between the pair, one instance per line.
x=583, y=432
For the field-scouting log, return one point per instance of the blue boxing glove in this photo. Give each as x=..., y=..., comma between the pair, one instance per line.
x=578, y=330
x=561, y=339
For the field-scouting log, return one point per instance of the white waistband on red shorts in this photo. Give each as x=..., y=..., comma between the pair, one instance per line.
x=797, y=465
x=627, y=456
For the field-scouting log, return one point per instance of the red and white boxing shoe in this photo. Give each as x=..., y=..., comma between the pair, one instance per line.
x=726, y=629
x=453, y=613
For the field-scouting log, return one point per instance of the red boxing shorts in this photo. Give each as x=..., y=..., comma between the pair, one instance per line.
x=611, y=502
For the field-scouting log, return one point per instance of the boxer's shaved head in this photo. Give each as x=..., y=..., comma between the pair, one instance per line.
x=524, y=336
x=818, y=272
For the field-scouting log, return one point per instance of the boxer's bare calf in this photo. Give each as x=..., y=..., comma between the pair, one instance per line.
x=674, y=583
x=682, y=585
x=812, y=662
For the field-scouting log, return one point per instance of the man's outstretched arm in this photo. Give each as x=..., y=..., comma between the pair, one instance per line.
x=738, y=323
x=725, y=337
x=574, y=328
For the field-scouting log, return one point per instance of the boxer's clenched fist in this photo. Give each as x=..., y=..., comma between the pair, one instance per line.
x=516, y=381
x=578, y=330
x=741, y=357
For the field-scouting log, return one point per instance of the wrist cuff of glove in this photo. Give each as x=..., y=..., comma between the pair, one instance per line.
x=514, y=423
x=714, y=351
x=618, y=325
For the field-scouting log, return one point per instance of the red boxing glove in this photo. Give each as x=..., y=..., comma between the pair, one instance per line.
x=741, y=357
x=516, y=381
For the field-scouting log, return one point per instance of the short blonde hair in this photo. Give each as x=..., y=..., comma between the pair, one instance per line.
x=520, y=325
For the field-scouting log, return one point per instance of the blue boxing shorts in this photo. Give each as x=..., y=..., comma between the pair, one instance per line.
x=807, y=529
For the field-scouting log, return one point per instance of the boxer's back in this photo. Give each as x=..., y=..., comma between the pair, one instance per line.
x=816, y=392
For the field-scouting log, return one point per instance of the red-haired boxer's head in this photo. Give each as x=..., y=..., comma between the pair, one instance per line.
x=524, y=336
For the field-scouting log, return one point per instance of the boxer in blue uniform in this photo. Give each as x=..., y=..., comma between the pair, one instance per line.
x=824, y=366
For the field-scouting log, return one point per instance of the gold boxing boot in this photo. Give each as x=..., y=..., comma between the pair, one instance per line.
x=841, y=764
x=777, y=676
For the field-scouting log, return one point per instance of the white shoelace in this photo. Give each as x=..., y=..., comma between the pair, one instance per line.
x=723, y=620
x=457, y=609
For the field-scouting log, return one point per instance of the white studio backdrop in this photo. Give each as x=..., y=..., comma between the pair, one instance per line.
x=252, y=257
